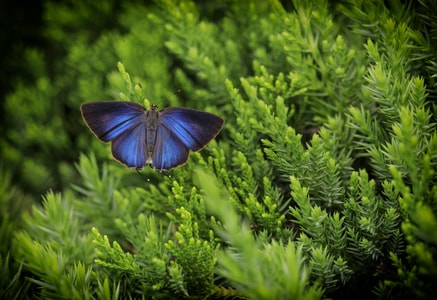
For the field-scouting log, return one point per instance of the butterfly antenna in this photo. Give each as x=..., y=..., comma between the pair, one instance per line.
x=158, y=104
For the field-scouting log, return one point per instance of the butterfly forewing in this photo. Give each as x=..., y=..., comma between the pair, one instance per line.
x=193, y=127
x=107, y=120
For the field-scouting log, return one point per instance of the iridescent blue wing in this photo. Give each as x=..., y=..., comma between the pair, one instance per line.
x=123, y=123
x=194, y=128
x=169, y=150
x=129, y=147
x=107, y=120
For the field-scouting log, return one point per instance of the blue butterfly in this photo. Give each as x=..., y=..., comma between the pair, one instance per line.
x=160, y=138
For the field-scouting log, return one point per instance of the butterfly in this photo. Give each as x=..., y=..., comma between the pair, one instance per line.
x=140, y=137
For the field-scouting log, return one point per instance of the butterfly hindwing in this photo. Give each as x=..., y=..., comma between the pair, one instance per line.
x=169, y=151
x=108, y=120
x=194, y=128
x=128, y=147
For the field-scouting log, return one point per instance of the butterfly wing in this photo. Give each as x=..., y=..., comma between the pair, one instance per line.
x=194, y=128
x=107, y=120
x=123, y=124
x=169, y=150
x=126, y=125
x=128, y=147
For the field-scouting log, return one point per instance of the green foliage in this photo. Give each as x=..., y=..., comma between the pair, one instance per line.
x=196, y=257
x=11, y=285
x=321, y=184
x=280, y=272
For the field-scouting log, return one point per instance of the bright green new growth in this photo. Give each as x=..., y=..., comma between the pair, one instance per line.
x=321, y=184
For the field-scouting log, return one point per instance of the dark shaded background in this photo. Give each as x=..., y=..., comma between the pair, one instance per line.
x=21, y=28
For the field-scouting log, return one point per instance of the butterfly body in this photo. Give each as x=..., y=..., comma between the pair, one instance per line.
x=152, y=120
x=140, y=137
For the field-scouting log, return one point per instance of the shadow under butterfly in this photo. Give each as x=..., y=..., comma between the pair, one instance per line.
x=160, y=138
